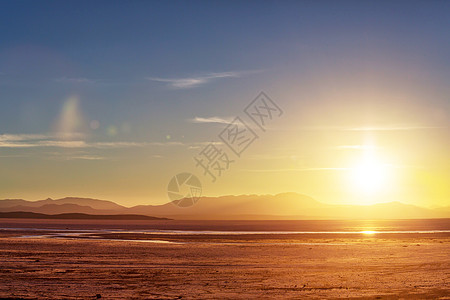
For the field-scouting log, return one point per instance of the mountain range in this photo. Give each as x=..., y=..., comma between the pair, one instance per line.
x=251, y=207
x=73, y=216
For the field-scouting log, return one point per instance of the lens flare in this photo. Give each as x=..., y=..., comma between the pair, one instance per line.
x=70, y=119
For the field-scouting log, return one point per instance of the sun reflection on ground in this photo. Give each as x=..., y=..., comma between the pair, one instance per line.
x=368, y=232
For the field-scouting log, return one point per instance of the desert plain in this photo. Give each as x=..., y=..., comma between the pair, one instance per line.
x=58, y=264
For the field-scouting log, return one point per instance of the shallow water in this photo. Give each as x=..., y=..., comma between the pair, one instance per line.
x=234, y=226
x=185, y=231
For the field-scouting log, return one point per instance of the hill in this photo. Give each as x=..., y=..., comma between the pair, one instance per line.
x=72, y=216
x=251, y=207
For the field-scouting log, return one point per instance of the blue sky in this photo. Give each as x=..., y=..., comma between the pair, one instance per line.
x=134, y=74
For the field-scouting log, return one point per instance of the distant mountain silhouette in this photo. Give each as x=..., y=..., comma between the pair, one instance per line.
x=55, y=209
x=93, y=203
x=71, y=216
x=280, y=206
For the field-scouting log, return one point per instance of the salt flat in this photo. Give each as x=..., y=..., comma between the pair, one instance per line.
x=224, y=266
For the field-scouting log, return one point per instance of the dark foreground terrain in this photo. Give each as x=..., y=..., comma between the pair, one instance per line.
x=60, y=263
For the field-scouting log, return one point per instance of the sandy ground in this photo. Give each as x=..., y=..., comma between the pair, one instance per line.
x=231, y=267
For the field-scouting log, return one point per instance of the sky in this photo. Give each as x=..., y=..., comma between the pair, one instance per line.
x=111, y=99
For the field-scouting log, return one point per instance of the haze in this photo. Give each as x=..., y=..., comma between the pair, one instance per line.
x=111, y=101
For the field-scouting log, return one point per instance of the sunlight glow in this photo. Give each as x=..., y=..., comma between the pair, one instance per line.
x=368, y=232
x=370, y=175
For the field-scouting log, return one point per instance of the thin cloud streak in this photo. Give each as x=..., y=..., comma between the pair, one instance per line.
x=196, y=81
x=49, y=140
x=87, y=157
x=74, y=80
x=22, y=137
x=348, y=128
x=42, y=140
x=393, y=128
x=293, y=170
x=356, y=147
x=217, y=120
x=319, y=169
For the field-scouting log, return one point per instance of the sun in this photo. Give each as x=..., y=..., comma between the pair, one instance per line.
x=369, y=176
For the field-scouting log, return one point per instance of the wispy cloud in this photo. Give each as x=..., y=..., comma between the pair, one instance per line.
x=39, y=140
x=22, y=137
x=393, y=128
x=61, y=144
x=196, y=81
x=198, y=145
x=117, y=144
x=56, y=140
x=271, y=156
x=87, y=157
x=218, y=120
x=370, y=128
x=74, y=80
x=356, y=147
x=292, y=170
x=319, y=169
x=12, y=156
x=43, y=140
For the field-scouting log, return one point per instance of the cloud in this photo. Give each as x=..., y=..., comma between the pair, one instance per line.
x=199, y=145
x=87, y=157
x=196, y=81
x=312, y=169
x=74, y=80
x=61, y=144
x=116, y=144
x=271, y=156
x=22, y=137
x=39, y=140
x=47, y=140
x=293, y=170
x=356, y=147
x=218, y=120
x=21, y=140
x=15, y=145
x=392, y=128
x=68, y=144
x=370, y=128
